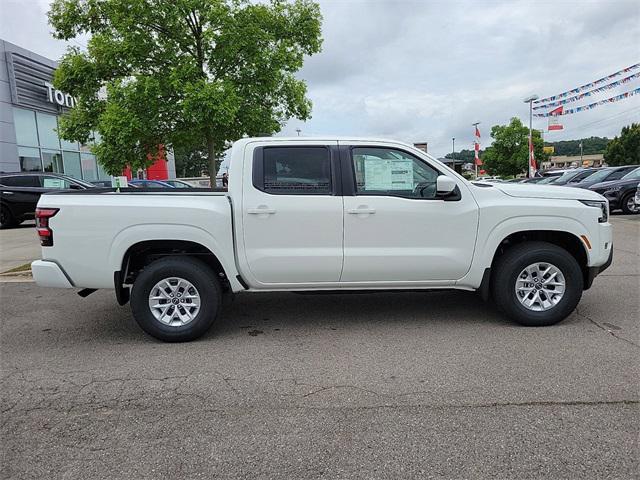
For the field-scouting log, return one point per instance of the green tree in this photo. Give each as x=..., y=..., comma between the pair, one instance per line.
x=508, y=155
x=590, y=146
x=466, y=156
x=625, y=149
x=183, y=73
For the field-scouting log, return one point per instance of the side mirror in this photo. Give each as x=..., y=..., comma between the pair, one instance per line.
x=445, y=186
x=74, y=186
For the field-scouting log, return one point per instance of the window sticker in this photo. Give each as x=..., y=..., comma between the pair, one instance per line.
x=53, y=183
x=388, y=174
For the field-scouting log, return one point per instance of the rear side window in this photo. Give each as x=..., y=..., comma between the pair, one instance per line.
x=618, y=174
x=293, y=170
x=20, y=181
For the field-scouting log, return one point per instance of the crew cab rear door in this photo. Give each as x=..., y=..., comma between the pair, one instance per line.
x=292, y=213
x=396, y=229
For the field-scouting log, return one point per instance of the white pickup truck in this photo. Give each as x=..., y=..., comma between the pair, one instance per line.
x=321, y=214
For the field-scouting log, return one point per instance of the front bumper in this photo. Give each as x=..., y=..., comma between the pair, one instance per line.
x=49, y=274
x=593, y=272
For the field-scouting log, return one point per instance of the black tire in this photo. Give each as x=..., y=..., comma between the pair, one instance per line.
x=514, y=261
x=6, y=218
x=191, y=270
x=624, y=204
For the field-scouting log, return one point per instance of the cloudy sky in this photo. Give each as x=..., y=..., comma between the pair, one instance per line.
x=426, y=70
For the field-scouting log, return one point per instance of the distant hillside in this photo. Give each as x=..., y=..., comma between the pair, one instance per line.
x=590, y=146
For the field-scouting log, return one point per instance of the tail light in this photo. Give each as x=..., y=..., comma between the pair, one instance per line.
x=42, y=225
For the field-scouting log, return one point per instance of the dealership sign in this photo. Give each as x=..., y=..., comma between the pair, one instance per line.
x=57, y=96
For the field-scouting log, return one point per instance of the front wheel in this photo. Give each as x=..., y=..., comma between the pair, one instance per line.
x=628, y=204
x=176, y=299
x=537, y=283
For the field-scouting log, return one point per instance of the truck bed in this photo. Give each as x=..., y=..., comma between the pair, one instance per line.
x=93, y=229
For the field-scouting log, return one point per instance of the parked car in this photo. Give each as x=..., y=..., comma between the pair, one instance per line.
x=150, y=184
x=621, y=193
x=605, y=175
x=175, y=183
x=637, y=197
x=21, y=191
x=555, y=172
x=534, y=179
x=102, y=183
x=326, y=214
x=571, y=177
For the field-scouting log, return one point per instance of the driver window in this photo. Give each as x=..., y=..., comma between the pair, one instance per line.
x=389, y=172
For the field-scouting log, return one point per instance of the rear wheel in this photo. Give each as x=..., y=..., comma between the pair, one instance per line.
x=6, y=218
x=176, y=299
x=628, y=204
x=537, y=283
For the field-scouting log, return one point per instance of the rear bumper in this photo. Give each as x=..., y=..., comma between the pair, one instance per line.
x=49, y=274
x=593, y=272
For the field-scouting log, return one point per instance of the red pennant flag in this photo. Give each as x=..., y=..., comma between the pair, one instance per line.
x=476, y=147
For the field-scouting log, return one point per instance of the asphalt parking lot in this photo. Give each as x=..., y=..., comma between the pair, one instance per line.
x=402, y=385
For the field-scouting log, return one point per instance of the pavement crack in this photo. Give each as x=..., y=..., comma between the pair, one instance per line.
x=605, y=329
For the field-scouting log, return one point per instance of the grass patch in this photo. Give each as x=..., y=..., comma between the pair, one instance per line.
x=22, y=268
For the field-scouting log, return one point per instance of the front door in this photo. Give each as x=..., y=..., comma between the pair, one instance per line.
x=292, y=214
x=396, y=229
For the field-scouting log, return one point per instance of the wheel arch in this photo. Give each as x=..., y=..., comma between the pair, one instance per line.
x=568, y=241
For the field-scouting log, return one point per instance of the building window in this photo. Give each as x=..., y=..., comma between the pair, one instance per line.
x=52, y=161
x=89, y=167
x=47, y=134
x=71, y=162
x=29, y=159
x=25, y=123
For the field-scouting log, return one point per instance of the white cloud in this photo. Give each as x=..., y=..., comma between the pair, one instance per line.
x=417, y=70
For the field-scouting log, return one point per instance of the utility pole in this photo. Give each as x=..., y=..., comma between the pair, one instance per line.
x=581, y=164
x=453, y=152
x=530, y=99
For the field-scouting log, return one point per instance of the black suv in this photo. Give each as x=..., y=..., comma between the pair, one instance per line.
x=20, y=192
x=621, y=193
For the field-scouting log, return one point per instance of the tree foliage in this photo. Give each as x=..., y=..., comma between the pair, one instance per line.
x=508, y=155
x=625, y=149
x=590, y=146
x=183, y=73
x=465, y=156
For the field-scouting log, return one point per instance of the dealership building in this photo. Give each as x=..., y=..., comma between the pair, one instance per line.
x=29, y=111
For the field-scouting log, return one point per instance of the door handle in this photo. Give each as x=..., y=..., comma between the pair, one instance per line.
x=262, y=209
x=7, y=193
x=361, y=210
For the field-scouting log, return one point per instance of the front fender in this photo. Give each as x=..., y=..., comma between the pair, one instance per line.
x=490, y=240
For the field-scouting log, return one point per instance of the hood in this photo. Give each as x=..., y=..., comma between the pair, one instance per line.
x=532, y=190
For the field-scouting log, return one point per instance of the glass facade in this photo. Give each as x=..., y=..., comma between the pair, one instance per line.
x=40, y=148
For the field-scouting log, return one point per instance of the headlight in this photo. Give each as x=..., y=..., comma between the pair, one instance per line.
x=617, y=188
x=603, y=206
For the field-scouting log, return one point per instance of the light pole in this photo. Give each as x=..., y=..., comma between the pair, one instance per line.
x=298, y=131
x=453, y=152
x=530, y=99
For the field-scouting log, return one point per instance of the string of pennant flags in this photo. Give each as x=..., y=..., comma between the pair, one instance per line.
x=588, y=85
x=561, y=111
x=609, y=86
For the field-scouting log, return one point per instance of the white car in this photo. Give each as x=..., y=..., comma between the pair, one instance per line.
x=305, y=214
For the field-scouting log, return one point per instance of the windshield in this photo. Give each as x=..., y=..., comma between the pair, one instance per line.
x=566, y=176
x=548, y=180
x=598, y=176
x=632, y=175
